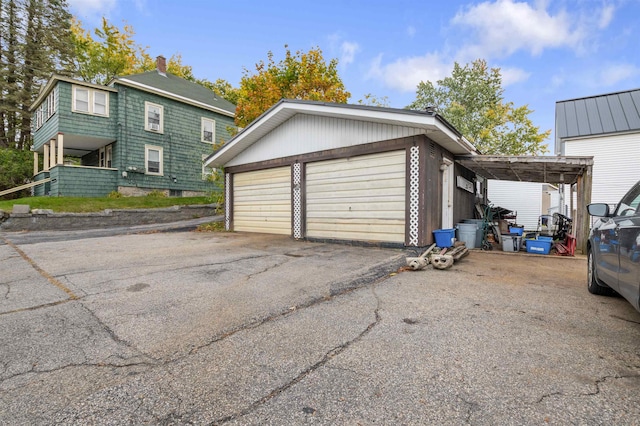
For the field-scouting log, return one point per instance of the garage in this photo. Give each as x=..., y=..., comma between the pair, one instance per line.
x=321, y=171
x=347, y=200
x=262, y=201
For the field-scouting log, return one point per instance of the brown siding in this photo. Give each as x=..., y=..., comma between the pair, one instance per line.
x=463, y=201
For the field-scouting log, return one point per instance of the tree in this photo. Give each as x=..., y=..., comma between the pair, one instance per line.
x=16, y=170
x=372, y=100
x=298, y=76
x=34, y=43
x=113, y=52
x=472, y=100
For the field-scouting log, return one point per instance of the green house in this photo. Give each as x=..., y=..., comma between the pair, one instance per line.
x=140, y=133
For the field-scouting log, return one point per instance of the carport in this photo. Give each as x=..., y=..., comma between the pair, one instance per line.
x=561, y=170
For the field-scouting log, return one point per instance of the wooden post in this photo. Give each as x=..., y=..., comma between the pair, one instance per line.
x=52, y=152
x=583, y=221
x=45, y=158
x=60, y=148
x=35, y=163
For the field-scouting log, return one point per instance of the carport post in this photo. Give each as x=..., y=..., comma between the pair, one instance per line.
x=582, y=222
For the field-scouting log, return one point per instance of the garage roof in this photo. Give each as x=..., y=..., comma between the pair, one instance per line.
x=434, y=125
x=545, y=169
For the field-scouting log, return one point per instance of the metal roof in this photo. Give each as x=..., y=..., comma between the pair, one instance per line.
x=597, y=115
x=544, y=169
x=437, y=128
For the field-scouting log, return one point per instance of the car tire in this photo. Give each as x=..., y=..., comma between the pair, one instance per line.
x=594, y=285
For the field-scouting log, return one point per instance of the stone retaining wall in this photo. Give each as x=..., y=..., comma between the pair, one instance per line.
x=46, y=220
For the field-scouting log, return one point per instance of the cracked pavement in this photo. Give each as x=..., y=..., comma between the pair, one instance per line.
x=202, y=328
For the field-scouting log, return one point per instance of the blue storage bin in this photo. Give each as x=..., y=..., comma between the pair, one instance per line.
x=444, y=237
x=543, y=238
x=539, y=246
x=518, y=230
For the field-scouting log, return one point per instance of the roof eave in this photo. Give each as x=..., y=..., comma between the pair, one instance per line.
x=288, y=108
x=164, y=93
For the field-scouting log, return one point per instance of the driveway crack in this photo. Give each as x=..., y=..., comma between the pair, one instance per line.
x=304, y=373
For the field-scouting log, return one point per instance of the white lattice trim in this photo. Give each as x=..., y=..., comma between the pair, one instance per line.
x=414, y=195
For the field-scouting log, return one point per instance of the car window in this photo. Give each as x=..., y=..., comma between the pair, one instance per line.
x=629, y=204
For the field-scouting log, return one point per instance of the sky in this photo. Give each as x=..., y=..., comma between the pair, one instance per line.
x=547, y=50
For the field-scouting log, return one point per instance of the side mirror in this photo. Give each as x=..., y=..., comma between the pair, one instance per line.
x=598, y=209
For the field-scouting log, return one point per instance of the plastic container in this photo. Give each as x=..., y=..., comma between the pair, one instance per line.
x=444, y=237
x=518, y=230
x=545, y=238
x=467, y=232
x=511, y=242
x=479, y=232
x=539, y=246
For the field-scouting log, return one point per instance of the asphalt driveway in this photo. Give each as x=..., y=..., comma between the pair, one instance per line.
x=196, y=328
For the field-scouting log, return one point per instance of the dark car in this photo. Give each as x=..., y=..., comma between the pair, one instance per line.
x=614, y=248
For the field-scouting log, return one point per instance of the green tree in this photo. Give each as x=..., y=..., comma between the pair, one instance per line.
x=113, y=52
x=472, y=100
x=16, y=170
x=34, y=43
x=298, y=76
x=372, y=100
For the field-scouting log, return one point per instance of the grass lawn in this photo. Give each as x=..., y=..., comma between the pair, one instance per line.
x=85, y=205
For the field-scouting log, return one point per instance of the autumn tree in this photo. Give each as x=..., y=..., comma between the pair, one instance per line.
x=298, y=76
x=472, y=100
x=111, y=52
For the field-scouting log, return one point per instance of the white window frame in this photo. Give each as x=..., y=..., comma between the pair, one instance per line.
x=91, y=96
x=147, y=125
x=206, y=171
x=148, y=148
x=213, y=130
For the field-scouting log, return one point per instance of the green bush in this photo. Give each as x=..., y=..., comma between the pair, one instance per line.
x=157, y=194
x=114, y=194
x=16, y=170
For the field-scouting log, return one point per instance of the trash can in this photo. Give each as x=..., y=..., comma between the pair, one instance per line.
x=467, y=232
x=479, y=232
x=511, y=242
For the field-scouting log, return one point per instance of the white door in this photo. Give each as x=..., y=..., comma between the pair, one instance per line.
x=262, y=201
x=447, y=194
x=360, y=198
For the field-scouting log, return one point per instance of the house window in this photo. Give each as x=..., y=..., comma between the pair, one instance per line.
x=80, y=99
x=206, y=171
x=90, y=101
x=208, y=130
x=154, y=117
x=100, y=103
x=153, y=159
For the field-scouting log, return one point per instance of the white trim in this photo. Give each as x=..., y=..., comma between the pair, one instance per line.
x=147, y=126
x=170, y=95
x=434, y=126
x=204, y=120
x=148, y=148
x=206, y=171
x=58, y=78
x=91, y=100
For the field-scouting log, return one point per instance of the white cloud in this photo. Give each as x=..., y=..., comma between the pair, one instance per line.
x=613, y=74
x=348, y=52
x=91, y=7
x=606, y=16
x=513, y=75
x=503, y=27
x=404, y=74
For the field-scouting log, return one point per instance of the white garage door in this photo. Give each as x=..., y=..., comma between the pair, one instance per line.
x=262, y=201
x=360, y=198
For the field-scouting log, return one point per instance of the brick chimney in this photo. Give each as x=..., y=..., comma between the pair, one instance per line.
x=161, y=65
